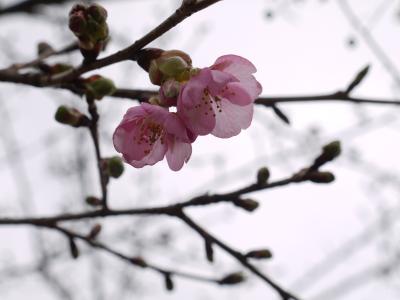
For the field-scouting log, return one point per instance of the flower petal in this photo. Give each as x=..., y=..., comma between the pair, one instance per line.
x=232, y=119
x=236, y=65
x=237, y=94
x=178, y=153
x=156, y=154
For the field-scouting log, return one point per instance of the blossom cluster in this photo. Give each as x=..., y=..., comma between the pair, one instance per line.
x=191, y=102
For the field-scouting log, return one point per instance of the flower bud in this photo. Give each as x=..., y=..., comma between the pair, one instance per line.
x=95, y=31
x=171, y=88
x=98, y=87
x=44, y=48
x=172, y=66
x=247, y=204
x=169, y=284
x=146, y=56
x=73, y=248
x=59, y=68
x=94, y=232
x=259, y=254
x=77, y=23
x=263, y=175
x=332, y=150
x=233, y=278
x=93, y=201
x=70, y=116
x=178, y=53
x=77, y=8
x=155, y=100
x=115, y=166
x=329, y=153
x=97, y=12
x=154, y=73
x=138, y=261
x=209, y=251
x=321, y=177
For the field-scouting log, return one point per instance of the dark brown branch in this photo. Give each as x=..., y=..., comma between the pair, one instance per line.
x=48, y=53
x=93, y=127
x=172, y=209
x=285, y=295
x=134, y=260
x=28, y=6
x=129, y=53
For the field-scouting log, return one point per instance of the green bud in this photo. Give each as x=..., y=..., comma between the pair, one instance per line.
x=77, y=23
x=332, y=150
x=70, y=116
x=263, y=175
x=259, y=254
x=77, y=8
x=171, y=88
x=329, y=153
x=321, y=177
x=154, y=73
x=95, y=31
x=115, y=167
x=155, y=100
x=98, y=87
x=233, y=278
x=97, y=12
x=172, y=66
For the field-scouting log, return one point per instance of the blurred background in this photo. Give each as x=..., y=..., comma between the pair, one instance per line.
x=336, y=241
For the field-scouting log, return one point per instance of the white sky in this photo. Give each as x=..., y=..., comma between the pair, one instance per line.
x=301, y=51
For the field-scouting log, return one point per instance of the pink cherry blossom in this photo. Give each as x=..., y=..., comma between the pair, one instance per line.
x=148, y=132
x=219, y=99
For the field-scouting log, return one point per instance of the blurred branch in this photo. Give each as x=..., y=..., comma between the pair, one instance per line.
x=311, y=173
x=136, y=261
x=373, y=45
x=285, y=295
x=270, y=101
x=28, y=6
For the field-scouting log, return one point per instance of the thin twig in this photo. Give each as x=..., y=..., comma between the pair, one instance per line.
x=285, y=295
x=93, y=128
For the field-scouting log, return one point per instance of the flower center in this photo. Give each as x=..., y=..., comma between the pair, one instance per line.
x=150, y=132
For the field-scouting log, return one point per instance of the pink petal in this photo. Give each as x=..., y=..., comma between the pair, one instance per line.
x=200, y=120
x=194, y=105
x=252, y=86
x=155, y=112
x=218, y=81
x=175, y=126
x=133, y=113
x=236, y=65
x=178, y=153
x=193, y=91
x=156, y=154
x=232, y=119
x=237, y=94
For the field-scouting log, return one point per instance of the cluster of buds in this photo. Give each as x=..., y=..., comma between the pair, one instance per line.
x=88, y=23
x=167, y=69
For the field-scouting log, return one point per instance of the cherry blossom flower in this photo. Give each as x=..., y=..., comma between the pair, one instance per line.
x=219, y=99
x=148, y=132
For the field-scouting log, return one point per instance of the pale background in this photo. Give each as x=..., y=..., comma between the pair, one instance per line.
x=350, y=225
